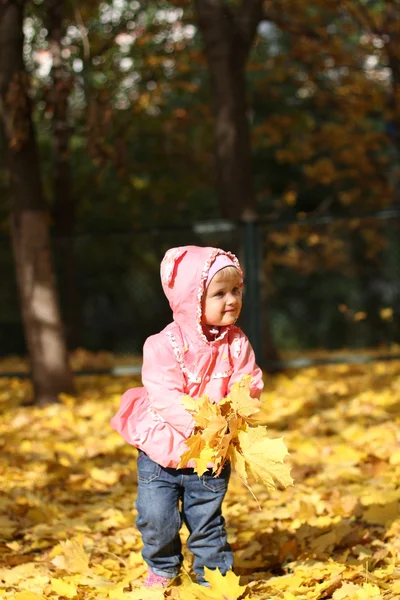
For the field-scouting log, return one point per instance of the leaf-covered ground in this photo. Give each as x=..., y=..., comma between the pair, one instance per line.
x=68, y=483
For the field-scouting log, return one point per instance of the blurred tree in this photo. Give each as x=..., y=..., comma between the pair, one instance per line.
x=51, y=373
x=378, y=23
x=334, y=135
x=228, y=28
x=329, y=129
x=64, y=203
x=126, y=123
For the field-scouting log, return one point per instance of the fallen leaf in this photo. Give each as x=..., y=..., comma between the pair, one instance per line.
x=63, y=588
x=73, y=558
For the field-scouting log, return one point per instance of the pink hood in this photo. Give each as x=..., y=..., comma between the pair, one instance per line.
x=184, y=271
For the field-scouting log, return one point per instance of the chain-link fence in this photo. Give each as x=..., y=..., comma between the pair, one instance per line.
x=317, y=289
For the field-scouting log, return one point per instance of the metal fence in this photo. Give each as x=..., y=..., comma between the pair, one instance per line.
x=333, y=287
x=319, y=289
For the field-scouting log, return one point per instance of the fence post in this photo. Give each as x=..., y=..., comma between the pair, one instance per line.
x=252, y=298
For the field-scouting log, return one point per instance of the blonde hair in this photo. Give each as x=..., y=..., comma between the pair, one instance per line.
x=228, y=272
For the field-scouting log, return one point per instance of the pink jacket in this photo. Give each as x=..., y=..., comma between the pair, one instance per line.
x=180, y=360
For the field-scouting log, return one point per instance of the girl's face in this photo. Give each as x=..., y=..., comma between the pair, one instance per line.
x=222, y=300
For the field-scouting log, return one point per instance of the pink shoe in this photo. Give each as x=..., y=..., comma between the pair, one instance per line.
x=153, y=580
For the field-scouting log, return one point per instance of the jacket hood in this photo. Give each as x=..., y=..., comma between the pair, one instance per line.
x=184, y=272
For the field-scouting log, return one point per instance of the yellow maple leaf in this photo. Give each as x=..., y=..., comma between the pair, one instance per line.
x=63, y=588
x=265, y=457
x=191, y=404
x=226, y=585
x=73, y=558
x=118, y=592
x=222, y=587
x=238, y=463
x=351, y=591
x=98, y=582
x=236, y=424
x=214, y=429
x=28, y=596
x=199, y=452
x=396, y=587
x=382, y=514
x=207, y=412
x=242, y=402
x=195, y=445
x=226, y=430
x=201, y=463
x=188, y=590
x=221, y=452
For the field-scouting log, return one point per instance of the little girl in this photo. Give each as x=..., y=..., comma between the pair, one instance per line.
x=200, y=352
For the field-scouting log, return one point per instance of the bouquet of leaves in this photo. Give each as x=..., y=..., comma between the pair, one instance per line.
x=228, y=430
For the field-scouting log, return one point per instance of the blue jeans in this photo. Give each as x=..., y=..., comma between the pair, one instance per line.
x=160, y=492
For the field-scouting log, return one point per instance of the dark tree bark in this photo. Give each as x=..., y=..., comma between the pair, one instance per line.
x=228, y=33
x=228, y=30
x=392, y=37
x=64, y=203
x=51, y=373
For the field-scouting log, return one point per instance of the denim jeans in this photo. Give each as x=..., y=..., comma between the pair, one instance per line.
x=168, y=497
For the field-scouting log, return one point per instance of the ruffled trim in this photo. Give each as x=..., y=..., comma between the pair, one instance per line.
x=200, y=293
x=178, y=355
x=191, y=376
x=236, y=346
x=222, y=374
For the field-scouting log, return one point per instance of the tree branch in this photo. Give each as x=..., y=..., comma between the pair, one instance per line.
x=361, y=14
x=284, y=25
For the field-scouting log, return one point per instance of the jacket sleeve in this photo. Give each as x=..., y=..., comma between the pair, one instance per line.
x=244, y=363
x=165, y=385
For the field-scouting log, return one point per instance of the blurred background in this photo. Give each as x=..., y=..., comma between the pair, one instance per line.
x=267, y=128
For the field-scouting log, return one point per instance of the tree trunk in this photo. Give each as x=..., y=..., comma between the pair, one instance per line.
x=394, y=109
x=228, y=35
x=232, y=147
x=51, y=373
x=64, y=204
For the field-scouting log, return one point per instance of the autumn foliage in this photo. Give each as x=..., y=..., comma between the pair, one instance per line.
x=68, y=482
x=227, y=431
